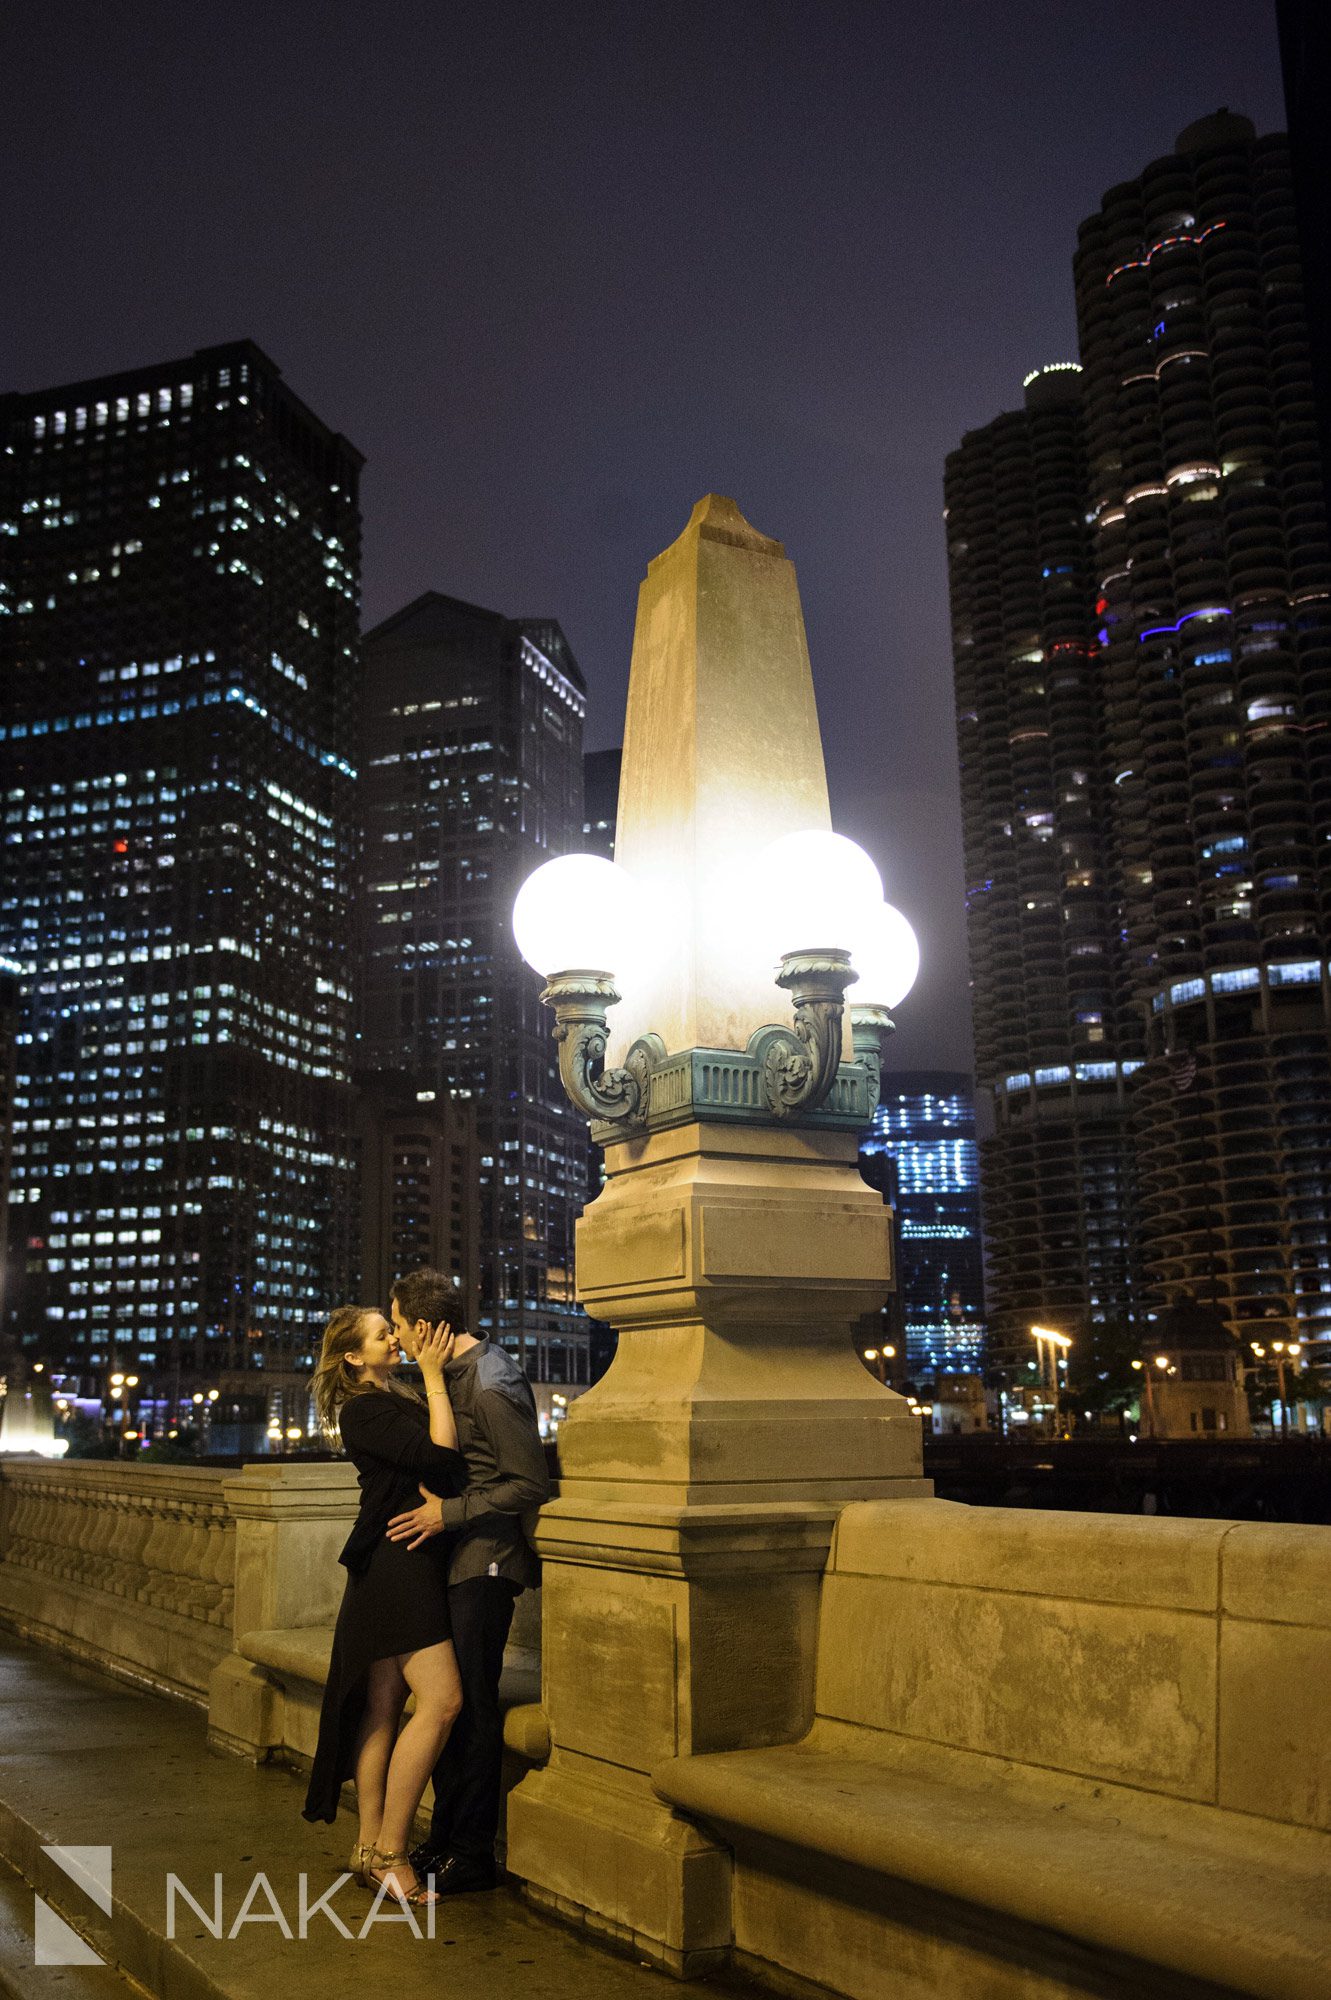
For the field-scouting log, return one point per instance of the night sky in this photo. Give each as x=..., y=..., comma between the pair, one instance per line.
x=557, y=269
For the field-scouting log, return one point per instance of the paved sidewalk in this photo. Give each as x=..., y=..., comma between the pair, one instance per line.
x=86, y=1761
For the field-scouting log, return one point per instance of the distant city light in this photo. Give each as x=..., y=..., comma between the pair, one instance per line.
x=1051, y=368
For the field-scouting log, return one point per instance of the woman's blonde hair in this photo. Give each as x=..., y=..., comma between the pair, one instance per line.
x=335, y=1381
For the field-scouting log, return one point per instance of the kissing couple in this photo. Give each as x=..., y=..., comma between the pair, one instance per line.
x=435, y=1563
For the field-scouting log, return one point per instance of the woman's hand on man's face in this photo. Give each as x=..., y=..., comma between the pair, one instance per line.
x=433, y=1345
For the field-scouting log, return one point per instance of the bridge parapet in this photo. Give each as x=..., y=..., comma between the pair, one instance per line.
x=130, y=1568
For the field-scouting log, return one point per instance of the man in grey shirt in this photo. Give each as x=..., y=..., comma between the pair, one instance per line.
x=490, y=1562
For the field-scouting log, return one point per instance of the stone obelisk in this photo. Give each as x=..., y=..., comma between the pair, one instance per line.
x=702, y=1477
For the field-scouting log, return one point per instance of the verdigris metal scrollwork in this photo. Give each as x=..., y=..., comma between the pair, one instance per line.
x=783, y=1073
x=581, y=1001
x=799, y=1067
x=869, y=1030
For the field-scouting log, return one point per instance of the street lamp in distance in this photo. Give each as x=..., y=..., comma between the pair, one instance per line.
x=1051, y=1349
x=1286, y=1354
x=1148, y=1410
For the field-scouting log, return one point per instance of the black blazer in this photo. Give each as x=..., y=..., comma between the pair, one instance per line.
x=388, y=1441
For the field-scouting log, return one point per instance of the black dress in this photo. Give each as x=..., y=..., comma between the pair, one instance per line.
x=396, y=1599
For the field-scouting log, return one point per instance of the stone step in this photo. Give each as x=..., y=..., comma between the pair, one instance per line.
x=21, y=1978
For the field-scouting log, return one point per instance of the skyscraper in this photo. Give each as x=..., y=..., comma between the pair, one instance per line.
x=179, y=580
x=416, y=1167
x=921, y=1154
x=10, y=975
x=1305, y=64
x=1193, y=658
x=1213, y=579
x=600, y=800
x=1055, y=1040
x=472, y=755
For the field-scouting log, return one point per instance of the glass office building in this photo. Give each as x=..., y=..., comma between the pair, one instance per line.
x=417, y=1161
x=921, y=1154
x=179, y=584
x=11, y=974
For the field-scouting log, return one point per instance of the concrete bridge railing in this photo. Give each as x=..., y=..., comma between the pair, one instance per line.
x=1054, y=1752
x=217, y=1587
x=130, y=1568
x=1048, y=1754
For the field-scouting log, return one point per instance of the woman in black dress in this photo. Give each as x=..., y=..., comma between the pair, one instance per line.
x=393, y=1634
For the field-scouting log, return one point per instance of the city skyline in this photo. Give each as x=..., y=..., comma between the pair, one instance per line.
x=817, y=356
x=665, y=998
x=1103, y=1027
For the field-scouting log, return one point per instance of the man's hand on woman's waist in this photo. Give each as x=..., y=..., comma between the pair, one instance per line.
x=421, y=1523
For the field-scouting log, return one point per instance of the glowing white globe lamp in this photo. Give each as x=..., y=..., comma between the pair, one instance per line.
x=579, y=922
x=885, y=953
x=807, y=908
x=578, y=913
x=816, y=890
x=791, y=909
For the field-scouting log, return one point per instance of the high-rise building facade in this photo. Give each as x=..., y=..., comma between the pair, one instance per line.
x=1213, y=581
x=472, y=759
x=600, y=801
x=1055, y=1038
x=921, y=1155
x=1305, y=62
x=417, y=1167
x=11, y=973
x=179, y=582
x=1201, y=597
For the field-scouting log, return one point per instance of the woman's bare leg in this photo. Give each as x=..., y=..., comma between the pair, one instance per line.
x=432, y=1676
x=384, y=1699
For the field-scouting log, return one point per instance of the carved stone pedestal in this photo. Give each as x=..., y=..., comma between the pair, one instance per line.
x=735, y=1260
x=702, y=1479
x=665, y=1630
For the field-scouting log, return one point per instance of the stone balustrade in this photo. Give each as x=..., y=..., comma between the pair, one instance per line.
x=129, y=1567
x=291, y=1521
x=218, y=1587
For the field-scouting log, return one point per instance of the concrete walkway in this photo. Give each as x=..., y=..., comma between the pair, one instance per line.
x=88, y=1762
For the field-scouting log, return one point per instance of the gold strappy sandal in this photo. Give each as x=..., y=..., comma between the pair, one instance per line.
x=413, y=1897
x=360, y=1861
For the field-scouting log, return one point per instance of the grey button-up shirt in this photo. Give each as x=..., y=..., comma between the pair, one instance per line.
x=498, y=1436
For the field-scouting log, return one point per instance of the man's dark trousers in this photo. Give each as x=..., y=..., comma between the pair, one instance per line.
x=469, y=1774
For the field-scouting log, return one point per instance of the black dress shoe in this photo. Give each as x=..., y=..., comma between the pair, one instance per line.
x=454, y=1874
x=427, y=1860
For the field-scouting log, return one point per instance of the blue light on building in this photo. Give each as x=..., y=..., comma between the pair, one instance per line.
x=921, y=1155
